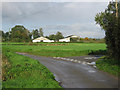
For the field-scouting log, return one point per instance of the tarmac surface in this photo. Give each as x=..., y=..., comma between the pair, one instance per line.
x=72, y=74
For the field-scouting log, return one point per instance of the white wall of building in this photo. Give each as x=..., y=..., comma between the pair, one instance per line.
x=43, y=41
x=64, y=40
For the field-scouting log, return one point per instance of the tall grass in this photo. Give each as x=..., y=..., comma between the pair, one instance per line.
x=109, y=65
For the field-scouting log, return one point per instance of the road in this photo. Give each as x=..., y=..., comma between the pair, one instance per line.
x=76, y=75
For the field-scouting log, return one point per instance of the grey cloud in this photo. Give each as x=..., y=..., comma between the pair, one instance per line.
x=70, y=18
x=82, y=30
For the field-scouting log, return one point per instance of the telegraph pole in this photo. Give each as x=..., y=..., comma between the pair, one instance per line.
x=116, y=5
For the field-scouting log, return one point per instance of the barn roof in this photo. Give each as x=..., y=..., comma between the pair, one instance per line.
x=41, y=38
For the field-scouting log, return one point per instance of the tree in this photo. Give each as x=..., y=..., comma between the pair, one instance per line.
x=111, y=24
x=20, y=34
x=58, y=36
x=41, y=32
x=52, y=37
x=86, y=38
x=35, y=34
x=1, y=35
x=5, y=36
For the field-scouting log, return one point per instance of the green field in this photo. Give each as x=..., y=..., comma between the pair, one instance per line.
x=57, y=49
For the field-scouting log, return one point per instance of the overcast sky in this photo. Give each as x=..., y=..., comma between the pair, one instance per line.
x=70, y=18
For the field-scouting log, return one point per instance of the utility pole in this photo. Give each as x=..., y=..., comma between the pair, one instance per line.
x=116, y=5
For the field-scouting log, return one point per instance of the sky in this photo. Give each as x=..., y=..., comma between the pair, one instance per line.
x=70, y=18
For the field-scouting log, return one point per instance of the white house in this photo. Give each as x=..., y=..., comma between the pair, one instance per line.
x=65, y=40
x=42, y=39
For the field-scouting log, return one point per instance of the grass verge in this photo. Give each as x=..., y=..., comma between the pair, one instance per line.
x=23, y=72
x=108, y=65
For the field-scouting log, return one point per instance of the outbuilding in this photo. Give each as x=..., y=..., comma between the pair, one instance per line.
x=42, y=39
x=65, y=40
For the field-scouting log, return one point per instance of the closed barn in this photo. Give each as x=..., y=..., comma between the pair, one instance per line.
x=42, y=39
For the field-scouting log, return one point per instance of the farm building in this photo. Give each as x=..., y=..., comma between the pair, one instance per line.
x=73, y=36
x=64, y=40
x=68, y=38
x=42, y=39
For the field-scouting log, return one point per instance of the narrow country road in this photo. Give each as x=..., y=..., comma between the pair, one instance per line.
x=76, y=75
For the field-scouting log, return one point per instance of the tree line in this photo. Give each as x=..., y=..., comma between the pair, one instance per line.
x=20, y=34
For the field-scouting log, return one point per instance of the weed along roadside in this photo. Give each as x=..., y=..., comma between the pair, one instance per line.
x=24, y=72
x=108, y=65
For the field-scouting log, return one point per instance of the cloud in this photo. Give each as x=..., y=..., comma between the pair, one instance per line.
x=82, y=30
x=70, y=18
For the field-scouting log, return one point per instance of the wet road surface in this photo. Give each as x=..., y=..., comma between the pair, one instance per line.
x=76, y=75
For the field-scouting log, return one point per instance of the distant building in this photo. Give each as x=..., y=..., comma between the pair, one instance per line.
x=42, y=39
x=65, y=40
x=68, y=38
x=73, y=36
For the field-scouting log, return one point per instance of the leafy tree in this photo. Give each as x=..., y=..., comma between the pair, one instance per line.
x=35, y=34
x=41, y=32
x=1, y=35
x=86, y=38
x=20, y=34
x=5, y=36
x=47, y=37
x=111, y=24
x=58, y=36
x=52, y=37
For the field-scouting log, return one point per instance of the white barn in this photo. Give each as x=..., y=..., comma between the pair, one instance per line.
x=65, y=40
x=73, y=36
x=42, y=39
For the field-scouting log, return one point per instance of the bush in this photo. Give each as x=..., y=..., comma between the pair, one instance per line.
x=108, y=65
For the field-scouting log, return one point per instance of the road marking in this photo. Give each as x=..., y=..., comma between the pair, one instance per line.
x=90, y=58
x=94, y=66
x=79, y=61
x=91, y=71
x=71, y=60
x=82, y=62
x=63, y=58
x=68, y=59
x=58, y=57
x=75, y=60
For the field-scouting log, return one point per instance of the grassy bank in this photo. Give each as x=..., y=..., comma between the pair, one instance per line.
x=23, y=72
x=57, y=49
x=108, y=65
